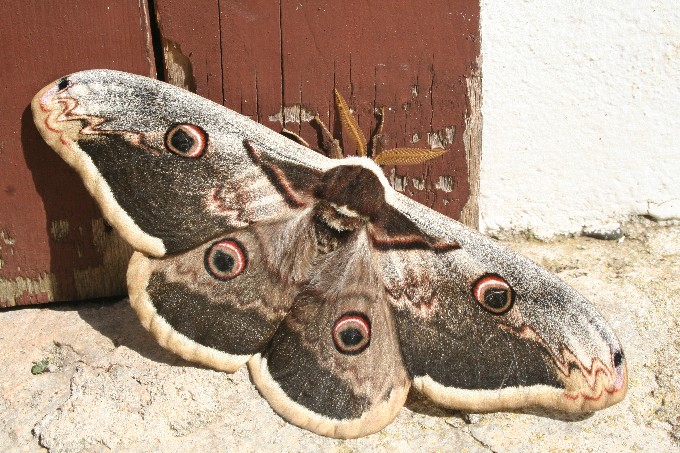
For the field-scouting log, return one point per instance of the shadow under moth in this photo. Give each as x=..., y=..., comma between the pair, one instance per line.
x=337, y=291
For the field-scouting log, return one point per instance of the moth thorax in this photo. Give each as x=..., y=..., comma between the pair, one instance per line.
x=333, y=225
x=354, y=189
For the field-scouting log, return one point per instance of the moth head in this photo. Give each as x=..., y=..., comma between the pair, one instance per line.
x=353, y=190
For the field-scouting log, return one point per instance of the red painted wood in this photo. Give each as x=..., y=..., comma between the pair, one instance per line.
x=412, y=58
x=194, y=26
x=257, y=57
x=38, y=191
x=381, y=55
x=251, y=56
x=224, y=42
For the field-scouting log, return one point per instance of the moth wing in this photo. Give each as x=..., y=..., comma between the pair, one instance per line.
x=168, y=168
x=310, y=377
x=221, y=302
x=548, y=348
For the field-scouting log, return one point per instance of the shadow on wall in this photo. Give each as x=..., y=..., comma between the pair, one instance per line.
x=81, y=258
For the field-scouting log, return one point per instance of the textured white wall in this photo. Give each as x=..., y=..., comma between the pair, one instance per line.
x=581, y=113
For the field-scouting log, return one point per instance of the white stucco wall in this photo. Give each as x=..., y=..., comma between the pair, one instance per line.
x=581, y=105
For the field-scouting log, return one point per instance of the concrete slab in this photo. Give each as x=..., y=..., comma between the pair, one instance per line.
x=107, y=385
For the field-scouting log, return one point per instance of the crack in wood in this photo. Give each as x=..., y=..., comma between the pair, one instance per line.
x=155, y=39
x=219, y=26
x=282, y=61
x=179, y=70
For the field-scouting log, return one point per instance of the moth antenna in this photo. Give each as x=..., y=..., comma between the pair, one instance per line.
x=350, y=124
x=407, y=156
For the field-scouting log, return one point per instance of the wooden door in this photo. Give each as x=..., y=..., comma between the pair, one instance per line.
x=277, y=62
x=53, y=242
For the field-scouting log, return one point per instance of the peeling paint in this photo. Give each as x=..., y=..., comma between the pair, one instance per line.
x=445, y=183
x=398, y=182
x=418, y=183
x=179, y=70
x=415, y=138
x=5, y=239
x=441, y=138
x=293, y=114
x=109, y=278
x=22, y=290
x=59, y=229
x=106, y=279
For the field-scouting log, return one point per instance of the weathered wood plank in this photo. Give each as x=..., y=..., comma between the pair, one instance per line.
x=53, y=243
x=271, y=61
x=251, y=56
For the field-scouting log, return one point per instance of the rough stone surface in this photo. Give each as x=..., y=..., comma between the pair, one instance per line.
x=108, y=386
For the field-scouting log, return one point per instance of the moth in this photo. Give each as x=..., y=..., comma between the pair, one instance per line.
x=339, y=293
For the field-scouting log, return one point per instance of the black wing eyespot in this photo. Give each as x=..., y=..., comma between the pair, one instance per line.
x=225, y=259
x=352, y=333
x=618, y=358
x=186, y=140
x=620, y=369
x=494, y=294
x=62, y=84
